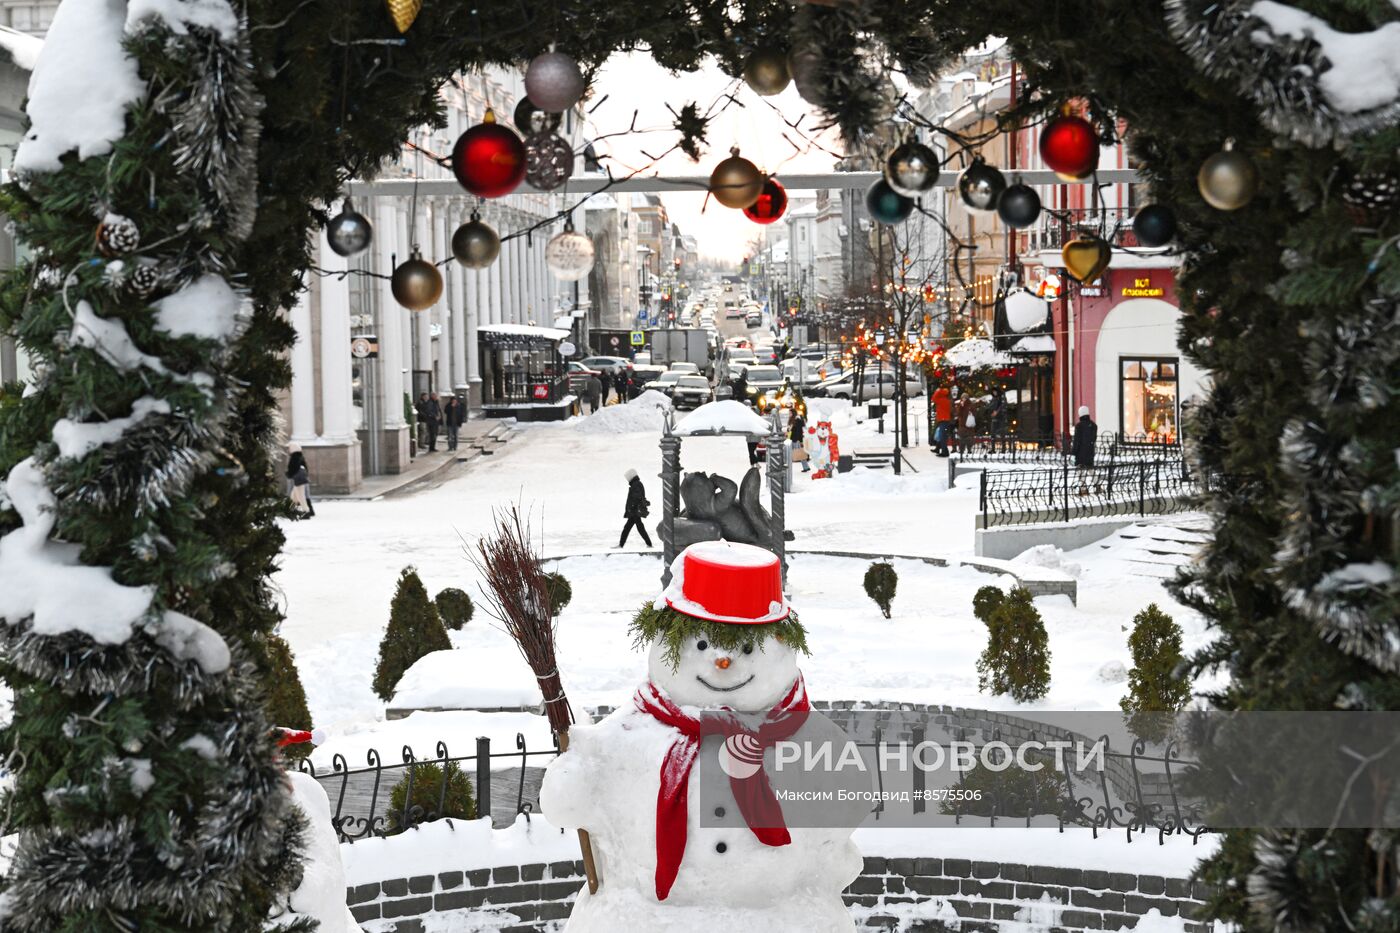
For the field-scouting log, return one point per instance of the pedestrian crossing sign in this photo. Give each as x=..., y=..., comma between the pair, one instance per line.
x=638, y=338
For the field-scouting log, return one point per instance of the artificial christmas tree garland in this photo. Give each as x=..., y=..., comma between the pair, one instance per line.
x=1289, y=301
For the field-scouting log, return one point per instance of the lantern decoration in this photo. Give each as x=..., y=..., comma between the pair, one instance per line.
x=570, y=254
x=1155, y=225
x=529, y=119
x=553, y=82
x=1228, y=180
x=349, y=233
x=117, y=235
x=489, y=159
x=403, y=13
x=766, y=71
x=771, y=203
x=416, y=283
x=1024, y=311
x=549, y=161
x=1086, y=257
x=1019, y=206
x=980, y=186
x=1070, y=147
x=475, y=244
x=736, y=182
x=885, y=205
x=911, y=169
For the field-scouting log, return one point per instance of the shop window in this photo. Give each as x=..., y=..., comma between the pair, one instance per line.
x=1149, y=410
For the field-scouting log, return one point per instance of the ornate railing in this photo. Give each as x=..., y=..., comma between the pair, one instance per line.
x=1136, y=487
x=1109, y=447
x=355, y=817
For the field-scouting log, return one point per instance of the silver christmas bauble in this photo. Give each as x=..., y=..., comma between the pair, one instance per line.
x=980, y=185
x=553, y=82
x=569, y=255
x=912, y=169
x=1228, y=180
x=549, y=161
x=349, y=233
x=474, y=244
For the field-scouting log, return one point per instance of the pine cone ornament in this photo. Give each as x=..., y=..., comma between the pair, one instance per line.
x=117, y=235
x=1371, y=195
x=144, y=279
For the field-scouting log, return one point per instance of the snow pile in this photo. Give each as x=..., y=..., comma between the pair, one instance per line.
x=975, y=352
x=178, y=15
x=1113, y=672
x=109, y=338
x=1024, y=311
x=450, y=680
x=421, y=731
x=724, y=416
x=462, y=845
x=643, y=413
x=1365, y=72
x=191, y=640
x=81, y=87
x=23, y=48
x=206, y=308
x=78, y=439
x=1049, y=557
x=321, y=895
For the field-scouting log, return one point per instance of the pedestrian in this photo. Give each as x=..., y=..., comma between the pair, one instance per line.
x=453, y=414
x=605, y=380
x=797, y=433
x=635, y=510
x=966, y=414
x=594, y=390
x=997, y=411
x=432, y=417
x=942, y=420
x=1086, y=435
x=620, y=384
x=421, y=409
x=740, y=385
x=300, y=478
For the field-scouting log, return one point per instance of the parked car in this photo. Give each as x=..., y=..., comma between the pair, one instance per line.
x=664, y=383
x=875, y=385
x=802, y=373
x=691, y=391
x=641, y=359
x=684, y=367
x=578, y=376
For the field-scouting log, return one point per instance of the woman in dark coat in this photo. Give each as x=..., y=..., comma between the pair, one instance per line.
x=300, y=478
x=635, y=510
x=797, y=433
x=1086, y=435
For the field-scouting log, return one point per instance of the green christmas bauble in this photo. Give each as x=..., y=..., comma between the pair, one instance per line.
x=886, y=205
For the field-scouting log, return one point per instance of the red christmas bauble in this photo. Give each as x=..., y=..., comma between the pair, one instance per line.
x=771, y=203
x=489, y=159
x=1070, y=147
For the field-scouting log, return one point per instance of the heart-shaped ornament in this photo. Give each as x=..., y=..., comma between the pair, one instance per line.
x=1086, y=258
x=404, y=12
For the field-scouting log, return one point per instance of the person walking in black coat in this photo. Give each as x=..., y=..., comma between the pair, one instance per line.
x=620, y=384
x=453, y=414
x=1086, y=435
x=594, y=390
x=300, y=478
x=635, y=510
x=432, y=417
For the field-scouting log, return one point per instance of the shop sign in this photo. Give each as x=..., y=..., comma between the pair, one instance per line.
x=364, y=347
x=1142, y=288
x=539, y=391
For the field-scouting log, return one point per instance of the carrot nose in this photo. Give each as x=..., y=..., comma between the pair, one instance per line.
x=722, y=663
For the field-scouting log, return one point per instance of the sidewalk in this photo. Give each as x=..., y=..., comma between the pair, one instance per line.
x=425, y=465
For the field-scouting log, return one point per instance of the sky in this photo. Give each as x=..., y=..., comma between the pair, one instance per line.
x=636, y=83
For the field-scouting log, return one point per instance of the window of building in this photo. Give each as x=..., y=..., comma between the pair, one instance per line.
x=1149, y=410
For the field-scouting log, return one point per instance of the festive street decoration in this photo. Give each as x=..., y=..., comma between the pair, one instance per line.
x=403, y=12
x=549, y=161
x=117, y=235
x=489, y=159
x=416, y=283
x=1228, y=180
x=823, y=449
x=474, y=244
x=911, y=169
x=766, y=71
x=736, y=182
x=1019, y=206
x=553, y=82
x=771, y=203
x=1086, y=257
x=1024, y=311
x=349, y=233
x=1154, y=225
x=1372, y=195
x=145, y=278
x=1069, y=146
x=885, y=205
x=570, y=254
x=529, y=119
x=980, y=185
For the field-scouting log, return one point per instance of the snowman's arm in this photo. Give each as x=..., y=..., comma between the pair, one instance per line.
x=569, y=792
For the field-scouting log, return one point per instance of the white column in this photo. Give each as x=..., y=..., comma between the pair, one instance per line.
x=303, y=426
x=406, y=350
x=337, y=425
x=391, y=336
x=508, y=289
x=475, y=283
x=422, y=237
x=521, y=284
x=495, y=301
x=452, y=214
x=442, y=311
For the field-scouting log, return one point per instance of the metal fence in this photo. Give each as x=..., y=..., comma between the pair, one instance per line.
x=1052, y=448
x=362, y=797
x=1138, y=487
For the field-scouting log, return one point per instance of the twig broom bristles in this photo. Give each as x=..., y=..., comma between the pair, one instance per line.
x=517, y=595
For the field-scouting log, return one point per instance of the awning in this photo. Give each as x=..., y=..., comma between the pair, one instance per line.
x=1035, y=343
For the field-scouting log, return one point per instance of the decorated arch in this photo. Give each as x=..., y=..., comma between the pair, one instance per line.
x=181, y=152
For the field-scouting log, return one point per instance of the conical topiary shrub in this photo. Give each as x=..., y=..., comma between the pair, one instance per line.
x=428, y=801
x=285, y=697
x=1155, y=688
x=455, y=607
x=415, y=629
x=560, y=592
x=880, y=584
x=986, y=600
x=1017, y=659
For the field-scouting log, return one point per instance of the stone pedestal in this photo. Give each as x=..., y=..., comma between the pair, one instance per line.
x=334, y=468
x=393, y=449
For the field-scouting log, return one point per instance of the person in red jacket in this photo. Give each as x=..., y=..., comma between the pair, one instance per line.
x=942, y=419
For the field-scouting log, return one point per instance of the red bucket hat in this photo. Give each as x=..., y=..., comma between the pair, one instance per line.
x=721, y=581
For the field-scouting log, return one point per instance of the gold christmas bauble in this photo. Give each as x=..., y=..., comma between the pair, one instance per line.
x=736, y=182
x=416, y=283
x=404, y=12
x=1228, y=180
x=1086, y=258
x=766, y=71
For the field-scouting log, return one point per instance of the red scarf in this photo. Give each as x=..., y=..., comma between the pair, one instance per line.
x=754, y=795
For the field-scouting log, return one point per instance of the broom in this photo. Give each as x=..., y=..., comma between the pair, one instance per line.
x=517, y=595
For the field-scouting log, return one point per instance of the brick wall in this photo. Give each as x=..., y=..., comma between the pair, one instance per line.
x=982, y=894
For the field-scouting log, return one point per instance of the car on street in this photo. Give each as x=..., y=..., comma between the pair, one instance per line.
x=578, y=376
x=663, y=383
x=762, y=380
x=733, y=311
x=605, y=364
x=766, y=354
x=802, y=373
x=753, y=318
x=684, y=367
x=691, y=391
x=874, y=384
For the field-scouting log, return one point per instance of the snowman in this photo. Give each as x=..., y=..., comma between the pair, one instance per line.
x=722, y=639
